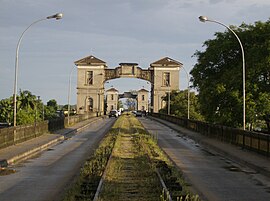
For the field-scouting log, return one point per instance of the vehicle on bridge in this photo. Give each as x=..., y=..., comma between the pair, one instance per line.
x=113, y=113
x=139, y=113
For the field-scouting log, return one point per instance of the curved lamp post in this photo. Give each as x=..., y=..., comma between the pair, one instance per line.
x=205, y=19
x=57, y=16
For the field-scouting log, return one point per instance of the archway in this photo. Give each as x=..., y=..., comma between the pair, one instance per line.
x=93, y=72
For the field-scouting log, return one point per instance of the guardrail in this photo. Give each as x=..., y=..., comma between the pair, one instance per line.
x=254, y=141
x=11, y=136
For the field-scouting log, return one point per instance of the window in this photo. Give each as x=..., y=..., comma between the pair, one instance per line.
x=142, y=97
x=112, y=97
x=111, y=107
x=89, y=77
x=90, y=104
x=166, y=79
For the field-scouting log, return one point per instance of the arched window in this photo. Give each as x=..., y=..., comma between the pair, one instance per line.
x=90, y=104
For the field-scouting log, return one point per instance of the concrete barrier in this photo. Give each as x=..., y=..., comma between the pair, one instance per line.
x=254, y=141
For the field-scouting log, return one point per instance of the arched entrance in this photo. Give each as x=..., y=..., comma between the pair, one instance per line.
x=92, y=73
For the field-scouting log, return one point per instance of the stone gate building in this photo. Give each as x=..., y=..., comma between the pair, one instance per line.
x=92, y=73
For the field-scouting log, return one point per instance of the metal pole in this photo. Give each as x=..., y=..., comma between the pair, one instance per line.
x=188, y=91
x=69, y=92
x=169, y=101
x=16, y=71
x=42, y=111
x=56, y=16
x=204, y=19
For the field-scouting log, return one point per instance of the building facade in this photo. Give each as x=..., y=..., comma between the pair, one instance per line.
x=112, y=99
x=93, y=72
x=143, y=100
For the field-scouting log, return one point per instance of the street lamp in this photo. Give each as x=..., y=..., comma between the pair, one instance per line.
x=205, y=19
x=188, y=89
x=57, y=16
x=69, y=91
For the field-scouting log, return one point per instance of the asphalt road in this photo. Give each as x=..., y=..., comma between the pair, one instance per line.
x=46, y=177
x=213, y=176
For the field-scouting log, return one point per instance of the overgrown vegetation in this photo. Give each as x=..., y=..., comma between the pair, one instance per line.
x=179, y=105
x=131, y=172
x=30, y=109
x=86, y=185
x=217, y=76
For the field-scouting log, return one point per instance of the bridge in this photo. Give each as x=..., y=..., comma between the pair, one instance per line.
x=212, y=167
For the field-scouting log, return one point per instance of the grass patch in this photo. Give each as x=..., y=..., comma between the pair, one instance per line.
x=131, y=172
x=86, y=185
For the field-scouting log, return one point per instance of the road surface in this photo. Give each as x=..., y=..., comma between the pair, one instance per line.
x=213, y=176
x=45, y=178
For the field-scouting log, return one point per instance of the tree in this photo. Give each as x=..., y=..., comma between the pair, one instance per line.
x=217, y=75
x=120, y=104
x=27, y=112
x=50, y=109
x=130, y=103
x=29, y=109
x=53, y=104
x=26, y=100
x=179, y=105
x=6, y=110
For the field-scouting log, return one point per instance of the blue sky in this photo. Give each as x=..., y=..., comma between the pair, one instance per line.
x=140, y=31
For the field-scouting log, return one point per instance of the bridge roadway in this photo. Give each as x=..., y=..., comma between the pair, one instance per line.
x=211, y=167
x=46, y=176
x=215, y=176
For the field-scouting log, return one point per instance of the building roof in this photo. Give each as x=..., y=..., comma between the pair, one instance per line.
x=112, y=90
x=128, y=64
x=166, y=61
x=143, y=90
x=90, y=60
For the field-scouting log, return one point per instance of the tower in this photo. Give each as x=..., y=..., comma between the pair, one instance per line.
x=90, y=85
x=164, y=79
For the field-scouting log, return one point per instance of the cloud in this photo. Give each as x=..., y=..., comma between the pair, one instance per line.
x=116, y=31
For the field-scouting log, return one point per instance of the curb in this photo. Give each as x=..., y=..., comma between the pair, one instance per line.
x=75, y=130
x=30, y=153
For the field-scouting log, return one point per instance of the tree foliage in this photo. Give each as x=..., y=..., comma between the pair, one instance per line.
x=120, y=104
x=29, y=109
x=218, y=75
x=179, y=105
x=6, y=110
x=130, y=103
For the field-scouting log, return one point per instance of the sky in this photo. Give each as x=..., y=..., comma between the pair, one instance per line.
x=115, y=31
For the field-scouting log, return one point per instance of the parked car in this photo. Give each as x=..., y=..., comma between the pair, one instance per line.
x=113, y=113
x=4, y=124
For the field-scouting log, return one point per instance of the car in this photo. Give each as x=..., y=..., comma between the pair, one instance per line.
x=4, y=124
x=138, y=113
x=113, y=113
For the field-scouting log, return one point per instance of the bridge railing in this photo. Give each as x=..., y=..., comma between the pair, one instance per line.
x=254, y=141
x=11, y=136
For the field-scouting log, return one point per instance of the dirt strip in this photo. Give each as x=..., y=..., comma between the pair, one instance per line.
x=130, y=175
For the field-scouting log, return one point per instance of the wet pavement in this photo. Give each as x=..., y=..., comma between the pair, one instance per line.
x=216, y=171
x=22, y=151
x=47, y=176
